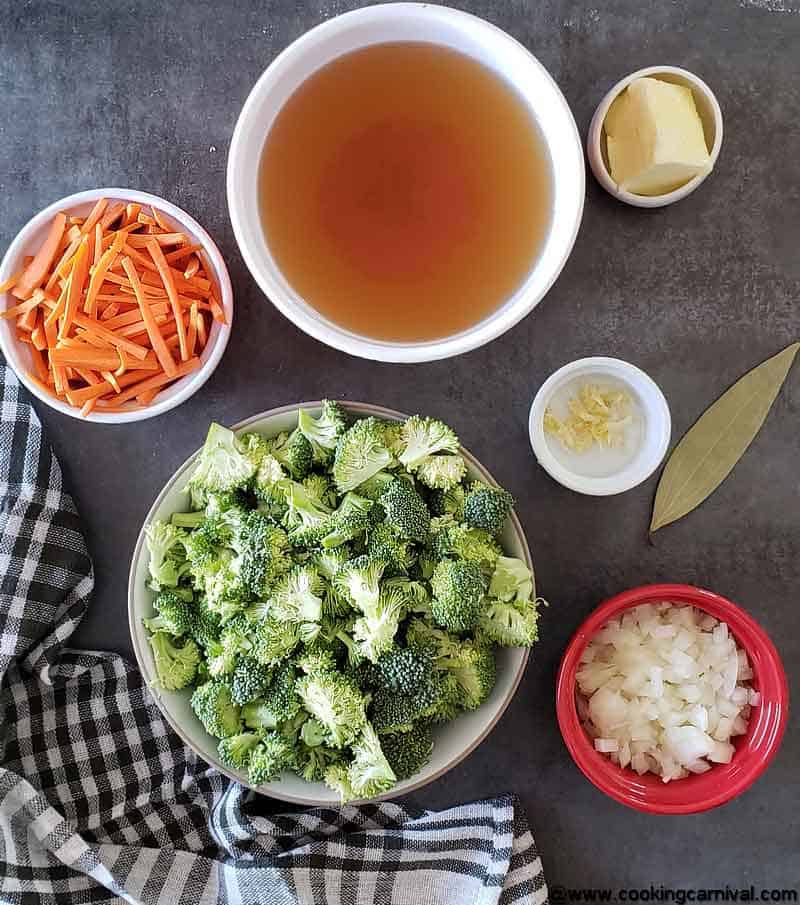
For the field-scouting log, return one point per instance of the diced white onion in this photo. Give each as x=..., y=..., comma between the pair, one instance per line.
x=661, y=690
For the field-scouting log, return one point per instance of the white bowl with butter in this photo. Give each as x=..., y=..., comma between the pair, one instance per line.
x=676, y=154
x=602, y=470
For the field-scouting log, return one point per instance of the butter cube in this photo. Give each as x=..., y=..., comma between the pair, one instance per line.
x=655, y=138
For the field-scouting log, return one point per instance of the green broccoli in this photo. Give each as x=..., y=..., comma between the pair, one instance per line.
x=450, y=538
x=458, y=591
x=278, y=703
x=403, y=670
x=296, y=600
x=176, y=665
x=323, y=432
x=373, y=487
x=294, y=453
x=221, y=466
x=269, y=487
x=273, y=641
x=336, y=703
x=205, y=544
x=329, y=561
x=359, y=581
x=205, y=627
x=369, y=772
x=408, y=752
x=375, y=630
x=235, y=751
x=391, y=713
x=360, y=454
x=314, y=761
x=316, y=662
x=385, y=544
x=173, y=614
x=511, y=580
x=448, y=502
x=512, y=624
x=406, y=511
x=269, y=759
x=250, y=680
x=337, y=778
x=306, y=519
x=487, y=507
x=321, y=490
x=216, y=710
x=349, y=521
x=441, y=472
x=167, y=563
x=263, y=554
x=188, y=520
x=422, y=437
x=254, y=446
x=474, y=668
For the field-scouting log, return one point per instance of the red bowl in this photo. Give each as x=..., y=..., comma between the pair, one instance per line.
x=698, y=792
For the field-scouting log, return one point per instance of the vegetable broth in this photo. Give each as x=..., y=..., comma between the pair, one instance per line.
x=405, y=191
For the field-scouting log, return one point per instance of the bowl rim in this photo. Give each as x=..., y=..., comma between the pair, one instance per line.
x=577, y=742
x=363, y=409
x=518, y=305
x=218, y=337
x=594, y=139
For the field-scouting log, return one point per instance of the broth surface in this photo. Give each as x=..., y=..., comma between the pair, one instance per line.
x=405, y=191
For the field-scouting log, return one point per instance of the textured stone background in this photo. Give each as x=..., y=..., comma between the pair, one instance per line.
x=146, y=95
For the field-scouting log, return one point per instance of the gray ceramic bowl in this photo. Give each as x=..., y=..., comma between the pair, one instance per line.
x=453, y=742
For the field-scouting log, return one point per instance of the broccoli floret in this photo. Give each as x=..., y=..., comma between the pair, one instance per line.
x=417, y=598
x=376, y=629
x=277, y=704
x=204, y=546
x=406, y=511
x=273, y=641
x=297, y=600
x=320, y=489
x=448, y=702
x=359, y=581
x=220, y=660
x=188, y=520
x=449, y=538
x=254, y=446
x=386, y=545
x=317, y=662
x=221, y=466
x=176, y=665
x=323, y=432
x=422, y=437
x=174, y=614
x=360, y=454
x=474, y=668
x=329, y=561
x=370, y=773
x=373, y=487
x=269, y=759
x=336, y=703
x=337, y=778
x=167, y=563
x=438, y=642
x=225, y=590
x=250, y=680
x=307, y=520
x=404, y=670
x=269, y=487
x=441, y=472
x=216, y=710
x=263, y=553
x=448, y=502
x=313, y=762
x=511, y=580
x=235, y=751
x=458, y=591
x=294, y=453
x=392, y=713
x=205, y=627
x=408, y=752
x=312, y=733
x=511, y=624
x=349, y=521
x=487, y=507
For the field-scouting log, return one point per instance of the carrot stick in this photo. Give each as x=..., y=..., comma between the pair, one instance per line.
x=98, y=244
x=90, y=358
x=99, y=273
x=146, y=219
x=135, y=316
x=76, y=280
x=123, y=364
x=22, y=308
x=184, y=368
x=37, y=270
x=58, y=308
x=38, y=338
x=216, y=311
x=109, y=311
x=86, y=408
x=38, y=362
x=191, y=268
x=88, y=376
x=61, y=267
x=11, y=282
x=102, y=388
x=161, y=238
x=94, y=216
x=131, y=212
x=109, y=376
x=169, y=284
x=182, y=252
x=105, y=333
x=191, y=338
x=113, y=213
x=147, y=396
x=202, y=336
x=156, y=339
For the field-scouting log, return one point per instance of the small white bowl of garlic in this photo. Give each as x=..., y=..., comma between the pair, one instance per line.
x=599, y=426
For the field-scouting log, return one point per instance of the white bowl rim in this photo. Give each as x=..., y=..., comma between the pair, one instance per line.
x=405, y=786
x=506, y=316
x=220, y=333
x=637, y=471
x=595, y=137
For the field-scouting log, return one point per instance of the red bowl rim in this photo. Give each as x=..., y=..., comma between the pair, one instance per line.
x=767, y=728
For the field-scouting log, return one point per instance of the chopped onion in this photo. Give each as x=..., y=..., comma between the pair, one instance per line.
x=661, y=690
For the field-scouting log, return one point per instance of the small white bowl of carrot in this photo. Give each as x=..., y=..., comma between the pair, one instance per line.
x=115, y=305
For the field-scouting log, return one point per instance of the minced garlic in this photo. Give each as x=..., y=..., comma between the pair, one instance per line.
x=597, y=415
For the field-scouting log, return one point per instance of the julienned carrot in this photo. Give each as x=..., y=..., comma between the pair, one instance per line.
x=156, y=339
x=202, y=336
x=37, y=270
x=11, y=282
x=22, y=308
x=161, y=238
x=77, y=278
x=191, y=335
x=94, y=217
x=184, y=368
x=182, y=252
x=99, y=273
x=114, y=212
x=162, y=221
x=169, y=284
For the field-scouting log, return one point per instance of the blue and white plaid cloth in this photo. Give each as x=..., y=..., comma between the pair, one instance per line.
x=101, y=802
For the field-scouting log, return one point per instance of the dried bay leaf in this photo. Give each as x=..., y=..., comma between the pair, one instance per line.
x=711, y=448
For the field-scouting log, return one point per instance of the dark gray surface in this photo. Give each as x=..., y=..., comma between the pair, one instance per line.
x=146, y=95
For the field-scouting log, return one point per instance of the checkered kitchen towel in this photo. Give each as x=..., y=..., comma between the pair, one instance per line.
x=101, y=802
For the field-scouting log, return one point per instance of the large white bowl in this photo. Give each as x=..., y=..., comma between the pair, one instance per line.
x=453, y=741
x=27, y=242
x=406, y=22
